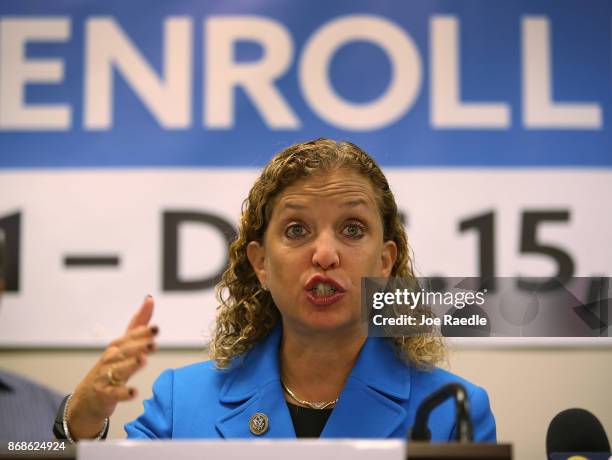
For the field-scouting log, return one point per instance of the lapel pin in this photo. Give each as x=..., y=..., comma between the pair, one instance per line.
x=259, y=423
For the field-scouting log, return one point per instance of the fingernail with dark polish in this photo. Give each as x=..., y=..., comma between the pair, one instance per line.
x=131, y=391
x=154, y=330
x=150, y=346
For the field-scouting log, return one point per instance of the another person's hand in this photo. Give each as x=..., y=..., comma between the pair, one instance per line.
x=105, y=385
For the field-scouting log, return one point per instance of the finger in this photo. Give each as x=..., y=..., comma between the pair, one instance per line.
x=143, y=332
x=123, y=371
x=143, y=315
x=113, y=354
x=138, y=347
x=129, y=349
x=140, y=332
x=116, y=393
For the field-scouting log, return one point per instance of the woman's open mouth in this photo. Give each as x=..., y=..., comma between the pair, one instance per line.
x=322, y=291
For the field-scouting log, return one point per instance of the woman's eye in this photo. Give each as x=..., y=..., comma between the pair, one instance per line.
x=295, y=231
x=353, y=230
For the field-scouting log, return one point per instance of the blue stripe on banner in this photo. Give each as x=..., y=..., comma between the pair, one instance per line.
x=532, y=85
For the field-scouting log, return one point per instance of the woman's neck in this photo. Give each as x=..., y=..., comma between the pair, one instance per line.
x=315, y=366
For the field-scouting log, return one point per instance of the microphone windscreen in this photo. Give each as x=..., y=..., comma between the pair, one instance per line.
x=576, y=430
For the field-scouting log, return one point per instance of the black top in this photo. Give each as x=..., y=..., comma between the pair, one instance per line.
x=307, y=422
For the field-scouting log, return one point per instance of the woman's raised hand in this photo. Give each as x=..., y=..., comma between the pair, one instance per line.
x=97, y=395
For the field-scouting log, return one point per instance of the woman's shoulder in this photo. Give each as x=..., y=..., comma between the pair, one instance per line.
x=201, y=368
x=198, y=369
x=203, y=373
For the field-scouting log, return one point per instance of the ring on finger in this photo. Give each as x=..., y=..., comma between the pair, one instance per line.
x=111, y=378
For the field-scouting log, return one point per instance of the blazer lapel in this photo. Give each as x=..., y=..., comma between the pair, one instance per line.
x=254, y=388
x=370, y=405
x=236, y=424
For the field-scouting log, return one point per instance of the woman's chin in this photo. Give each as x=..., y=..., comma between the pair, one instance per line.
x=330, y=321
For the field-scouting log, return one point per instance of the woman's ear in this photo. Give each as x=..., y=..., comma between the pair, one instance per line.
x=257, y=256
x=388, y=257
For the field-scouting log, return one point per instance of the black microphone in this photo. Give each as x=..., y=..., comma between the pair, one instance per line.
x=463, y=421
x=576, y=430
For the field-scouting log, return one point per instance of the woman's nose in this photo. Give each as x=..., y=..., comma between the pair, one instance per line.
x=325, y=252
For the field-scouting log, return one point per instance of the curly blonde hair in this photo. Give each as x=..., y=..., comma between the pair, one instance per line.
x=247, y=313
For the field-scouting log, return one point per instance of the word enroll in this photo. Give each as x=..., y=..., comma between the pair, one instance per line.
x=168, y=95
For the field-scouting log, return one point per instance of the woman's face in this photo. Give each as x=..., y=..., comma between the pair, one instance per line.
x=325, y=233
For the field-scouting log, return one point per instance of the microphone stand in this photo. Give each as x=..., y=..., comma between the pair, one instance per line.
x=464, y=430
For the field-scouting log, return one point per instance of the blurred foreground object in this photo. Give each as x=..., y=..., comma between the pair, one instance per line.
x=576, y=430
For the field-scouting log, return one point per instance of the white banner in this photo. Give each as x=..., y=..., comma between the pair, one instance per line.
x=93, y=243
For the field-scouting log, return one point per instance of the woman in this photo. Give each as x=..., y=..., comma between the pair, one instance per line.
x=291, y=352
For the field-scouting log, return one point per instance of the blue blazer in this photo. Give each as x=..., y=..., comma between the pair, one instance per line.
x=379, y=400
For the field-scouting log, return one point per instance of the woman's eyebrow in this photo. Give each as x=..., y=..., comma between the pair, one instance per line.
x=354, y=203
x=298, y=206
x=292, y=205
